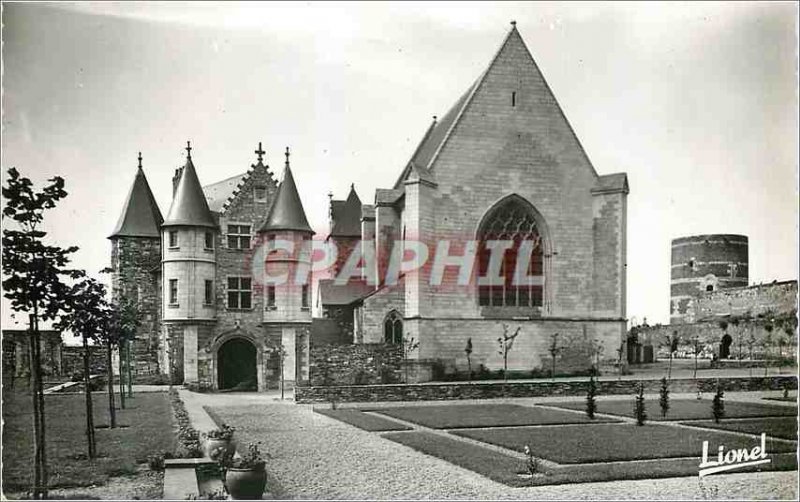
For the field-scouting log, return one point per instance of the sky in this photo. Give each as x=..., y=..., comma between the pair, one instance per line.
x=697, y=102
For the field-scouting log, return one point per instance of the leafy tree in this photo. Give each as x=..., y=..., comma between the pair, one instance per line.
x=718, y=404
x=506, y=343
x=468, y=351
x=663, y=399
x=671, y=342
x=33, y=283
x=89, y=318
x=638, y=407
x=591, y=404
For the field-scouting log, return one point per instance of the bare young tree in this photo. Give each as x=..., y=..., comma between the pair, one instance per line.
x=554, y=350
x=506, y=343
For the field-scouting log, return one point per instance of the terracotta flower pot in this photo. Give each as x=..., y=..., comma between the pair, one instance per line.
x=246, y=484
x=212, y=444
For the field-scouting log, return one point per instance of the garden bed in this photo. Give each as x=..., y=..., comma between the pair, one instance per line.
x=358, y=418
x=779, y=427
x=684, y=409
x=614, y=442
x=484, y=415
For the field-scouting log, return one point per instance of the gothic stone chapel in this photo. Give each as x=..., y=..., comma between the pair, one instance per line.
x=502, y=164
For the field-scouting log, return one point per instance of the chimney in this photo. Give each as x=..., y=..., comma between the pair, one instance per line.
x=176, y=179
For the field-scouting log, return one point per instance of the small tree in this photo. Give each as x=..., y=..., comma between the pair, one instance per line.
x=281, y=351
x=751, y=342
x=620, y=352
x=409, y=346
x=638, y=407
x=554, y=350
x=718, y=404
x=468, y=351
x=723, y=325
x=33, y=283
x=506, y=343
x=597, y=349
x=663, y=397
x=671, y=341
x=734, y=323
x=591, y=404
x=696, y=345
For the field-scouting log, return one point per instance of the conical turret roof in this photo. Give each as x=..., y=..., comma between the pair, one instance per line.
x=287, y=211
x=347, y=216
x=140, y=216
x=189, y=206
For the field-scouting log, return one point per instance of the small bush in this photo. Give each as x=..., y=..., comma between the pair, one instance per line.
x=531, y=462
x=639, y=408
x=156, y=461
x=718, y=405
x=591, y=404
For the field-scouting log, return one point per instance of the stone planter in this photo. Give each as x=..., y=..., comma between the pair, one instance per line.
x=246, y=484
x=210, y=445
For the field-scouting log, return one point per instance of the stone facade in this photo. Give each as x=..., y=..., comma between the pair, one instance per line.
x=750, y=301
x=360, y=364
x=16, y=353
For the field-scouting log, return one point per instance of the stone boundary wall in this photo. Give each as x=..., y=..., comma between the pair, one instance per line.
x=480, y=390
x=358, y=364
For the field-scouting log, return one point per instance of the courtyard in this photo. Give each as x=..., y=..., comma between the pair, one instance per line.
x=473, y=449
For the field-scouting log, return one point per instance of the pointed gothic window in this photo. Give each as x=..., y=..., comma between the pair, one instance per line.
x=513, y=224
x=393, y=328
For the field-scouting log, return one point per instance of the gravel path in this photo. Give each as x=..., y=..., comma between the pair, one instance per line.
x=316, y=457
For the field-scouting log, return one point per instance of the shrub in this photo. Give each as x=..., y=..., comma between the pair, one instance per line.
x=591, y=404
x=638, y=408
x=224, y=431
x=663, y=399
x=718, y=404
x=156, y=461
x=531, y=462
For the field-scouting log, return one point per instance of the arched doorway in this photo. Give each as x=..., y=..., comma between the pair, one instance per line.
x=725, y=347
x=236, y=365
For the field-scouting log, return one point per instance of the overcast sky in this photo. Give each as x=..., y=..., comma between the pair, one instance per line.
x=696, y=102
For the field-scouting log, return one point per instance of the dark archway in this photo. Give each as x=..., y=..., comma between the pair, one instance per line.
x=725, y=347
x=236, y=365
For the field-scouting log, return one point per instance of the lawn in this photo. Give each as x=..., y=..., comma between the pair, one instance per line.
x=779, y=427
x=614, y=442
x=685, y=409
x=362, y=420
x=148, y=417
x=461, y=416
x=504, y=468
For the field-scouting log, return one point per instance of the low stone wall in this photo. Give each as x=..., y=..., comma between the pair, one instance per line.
x=359, y=364
x=489, y=390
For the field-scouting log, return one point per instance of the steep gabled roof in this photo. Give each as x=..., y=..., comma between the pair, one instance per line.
x=343, y=294
x=439, y=132
x=189, y=206
x=217, y=194
x=287, y=211
x=346, y=216
x=140, y=216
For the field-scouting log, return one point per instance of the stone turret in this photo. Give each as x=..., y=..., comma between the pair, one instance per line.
x=287, y=280
x=189, y=267
x=136, y=266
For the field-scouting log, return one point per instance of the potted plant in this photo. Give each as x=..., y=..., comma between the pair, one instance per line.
x=245, y=476
x=219, y=441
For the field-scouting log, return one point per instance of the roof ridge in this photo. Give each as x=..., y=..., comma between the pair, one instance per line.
x=472, y=93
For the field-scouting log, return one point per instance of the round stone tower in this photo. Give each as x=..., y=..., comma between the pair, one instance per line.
x=188, y=271
x=702, y=264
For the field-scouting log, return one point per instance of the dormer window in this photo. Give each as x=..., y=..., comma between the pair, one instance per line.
x=260, y=193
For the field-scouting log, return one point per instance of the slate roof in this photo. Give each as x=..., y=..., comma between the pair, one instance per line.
x=346, y=216
x=287, y=211
x=189, y=205
x=617, y=182
x=342, y=294
x=140, y=216
x=218, y=193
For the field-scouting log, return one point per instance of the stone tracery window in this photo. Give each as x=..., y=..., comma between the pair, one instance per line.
x=393, y=328
x=513, y=220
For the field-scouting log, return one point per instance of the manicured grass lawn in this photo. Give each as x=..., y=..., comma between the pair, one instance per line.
x=148, y=416
x=504, y=468
x=484, y=415
x=613, y=442
x=780, y=427
x=685, y=409
x=363, y=420
x=489, y=463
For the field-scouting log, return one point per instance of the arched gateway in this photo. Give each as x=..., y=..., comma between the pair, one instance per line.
x=236, y=365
